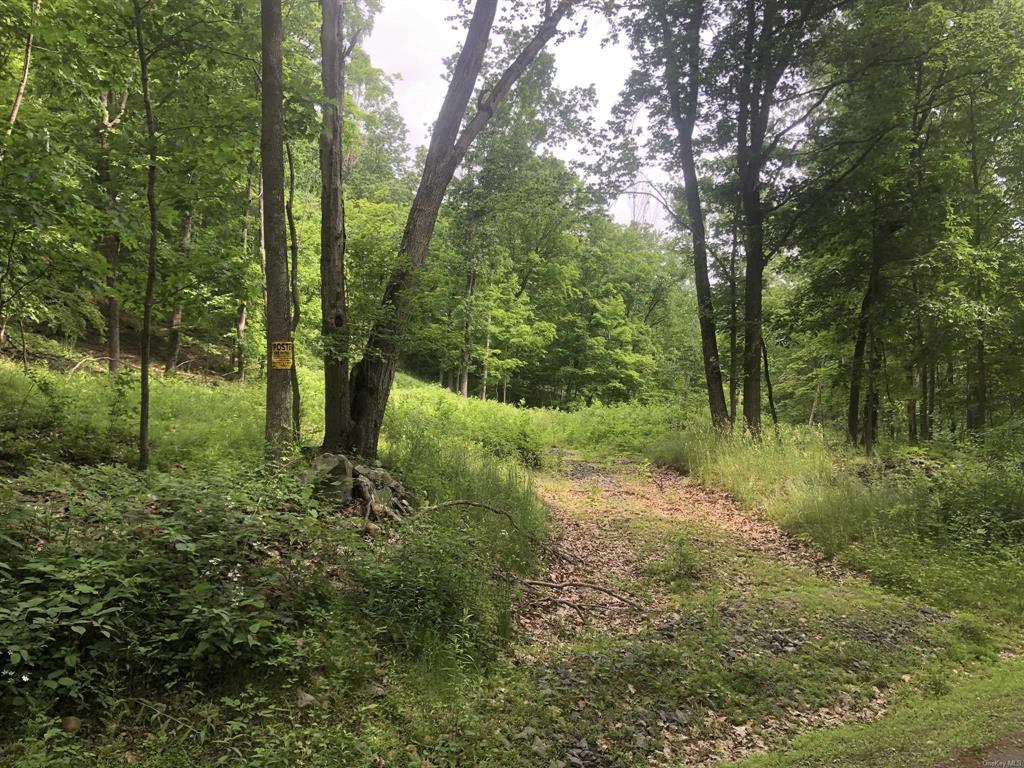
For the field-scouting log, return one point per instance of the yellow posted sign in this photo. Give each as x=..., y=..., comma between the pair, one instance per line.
x=281, y=354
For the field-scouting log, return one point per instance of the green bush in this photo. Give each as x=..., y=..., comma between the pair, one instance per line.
x=113, y=579
x=434, y=594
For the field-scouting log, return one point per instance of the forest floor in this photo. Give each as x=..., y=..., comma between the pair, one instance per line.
x=697, y=634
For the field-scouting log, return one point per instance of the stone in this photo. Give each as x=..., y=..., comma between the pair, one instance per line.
x=331, y=472
x=71, y=723
x=305, y=700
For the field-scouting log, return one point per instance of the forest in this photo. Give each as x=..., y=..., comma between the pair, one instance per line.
x=685, y=429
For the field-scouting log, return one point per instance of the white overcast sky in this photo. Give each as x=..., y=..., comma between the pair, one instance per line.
x=411, y=39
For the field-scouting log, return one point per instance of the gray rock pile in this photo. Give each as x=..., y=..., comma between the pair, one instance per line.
x=368, y=491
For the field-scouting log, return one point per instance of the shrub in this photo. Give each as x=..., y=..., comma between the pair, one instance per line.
x=433, y=594
x=115, y=579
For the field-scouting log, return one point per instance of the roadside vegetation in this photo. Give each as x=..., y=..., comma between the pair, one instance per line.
x=218, y=611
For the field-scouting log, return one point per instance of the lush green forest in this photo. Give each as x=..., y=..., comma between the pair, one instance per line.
x=320, y=448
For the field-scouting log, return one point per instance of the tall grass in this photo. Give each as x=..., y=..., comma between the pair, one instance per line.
x=432, y=592
x=948, y=527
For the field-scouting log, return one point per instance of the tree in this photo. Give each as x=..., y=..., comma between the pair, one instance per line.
x=278, y=307
x=666, y=39
x=154, y=230
x=373, y=376
x=334, y=306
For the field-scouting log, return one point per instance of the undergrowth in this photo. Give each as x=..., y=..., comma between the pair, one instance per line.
x=217, y=575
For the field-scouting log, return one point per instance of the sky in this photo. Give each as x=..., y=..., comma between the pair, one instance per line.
x=411, y=39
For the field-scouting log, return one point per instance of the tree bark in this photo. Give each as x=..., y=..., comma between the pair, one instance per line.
x=19, y=96
x=110, y=243
x=333, y=299
x=240, y=323
x=977, y=372
x=864, y=323
x=684, y=106
x=871, y=402
x=372, y=378
x=467, y=349
x=293, y=242
x=154, y=221
x=278, y=320
x=734, y=326
x=814, y=404
x=768, y=385
x=174, y=322
x=487, y=353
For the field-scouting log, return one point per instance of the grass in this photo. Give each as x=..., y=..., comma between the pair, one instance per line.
x=414, y=661
x=949, y=529
x=920, y=733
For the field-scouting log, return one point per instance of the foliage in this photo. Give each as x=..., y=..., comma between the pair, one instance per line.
x=116, y=582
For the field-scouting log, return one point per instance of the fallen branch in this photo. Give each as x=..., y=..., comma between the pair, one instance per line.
x=582, y=585
x=581, y=610
x=86, y=360
x=489, y=508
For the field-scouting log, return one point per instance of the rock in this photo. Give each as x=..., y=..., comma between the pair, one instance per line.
x=130, y=757
x=332, y=472
x=385, y=496
x=305, y=700
x=364, y=489
x=71, y=724
x=538, y=747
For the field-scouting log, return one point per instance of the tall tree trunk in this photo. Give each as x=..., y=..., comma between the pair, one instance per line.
x=241, y=320
x=752, y=308
x=487, y=354
x=372, y=378
x=174, y=322
x=242, y=315
x=110, y=244
x=293, y=242
x=333, y=300
x=684, y=106
x=871, y=402
x=977, y=374
x=26, y=63
x=915, y=384
x=154, y=222
x=278, y=310
x=768, y=386
x=467, y=351
x=815, y=403
x=864, y=324
x=734, y=325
